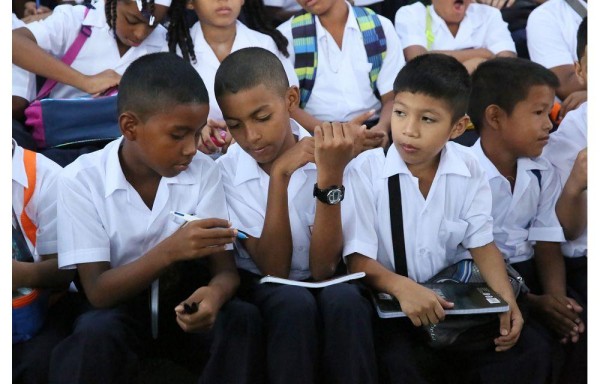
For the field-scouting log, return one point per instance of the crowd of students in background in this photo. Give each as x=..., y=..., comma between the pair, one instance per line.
x=281, y=127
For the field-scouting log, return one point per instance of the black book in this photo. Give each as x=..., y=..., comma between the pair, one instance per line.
x=468, y=299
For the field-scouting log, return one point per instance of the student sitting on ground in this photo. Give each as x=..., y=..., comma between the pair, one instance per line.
x=271, y=177
x=446, y=204
x=115, y=227
x=514, y=128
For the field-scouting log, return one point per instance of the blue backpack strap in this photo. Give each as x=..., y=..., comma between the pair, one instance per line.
x=374, y=40
x=304, y=36
x=538, y=175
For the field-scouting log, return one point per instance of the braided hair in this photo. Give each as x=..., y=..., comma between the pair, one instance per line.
x=255, y=17
x=177, y=31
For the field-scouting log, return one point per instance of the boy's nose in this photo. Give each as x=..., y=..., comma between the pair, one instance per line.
x=190, y=147
x=252, y=134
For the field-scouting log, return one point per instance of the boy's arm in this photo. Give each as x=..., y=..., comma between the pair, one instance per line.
x=493, y=270
x=272, y=252
x=43, y=274
x=334, y=144
x=385, y=118
x=305, y=119
x=571, y=207
x=106, y=287
x=29, y=56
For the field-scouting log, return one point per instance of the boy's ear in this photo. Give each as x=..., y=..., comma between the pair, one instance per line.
x=459, y=127
x=579, y=73
x=492, y=116
x=292, y=98
x=128, y=123
x=189, y=4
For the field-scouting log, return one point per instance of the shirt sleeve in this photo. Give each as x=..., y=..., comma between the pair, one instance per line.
x=58, y=31
x=478, y=214
x=394, y=59
x=410, y=25
x=545, y=226
x=498, y=38
x=44, y=205
x=545, y=41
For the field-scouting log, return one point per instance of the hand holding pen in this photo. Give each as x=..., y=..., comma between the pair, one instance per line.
x=189, y=218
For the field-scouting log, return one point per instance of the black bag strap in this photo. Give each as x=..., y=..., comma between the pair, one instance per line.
x=21, y=251
x=577, y=7
x=397, y=226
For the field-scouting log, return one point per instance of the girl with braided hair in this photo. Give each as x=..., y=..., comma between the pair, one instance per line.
x=217, y=34
x=119, y=32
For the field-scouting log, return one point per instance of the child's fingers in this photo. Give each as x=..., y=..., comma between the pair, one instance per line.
x=444, y=303
x=360, y=119
x=504, y=323
x=318, y=135
x=327, y=131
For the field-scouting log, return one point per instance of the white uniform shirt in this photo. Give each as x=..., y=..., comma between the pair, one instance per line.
x=342, y=88
x=23, y=82
x=100, y=52
x=287, y=5
x=246, y=188
x=207, y=62
x=552, y=33
x=42, y=205
x=562, y=149
x=527, y=214
x=482, y=27
x=438, y=230
x=102, y=218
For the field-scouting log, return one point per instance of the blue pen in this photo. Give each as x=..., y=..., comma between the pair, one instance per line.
x=187, y=217
x=37, y=5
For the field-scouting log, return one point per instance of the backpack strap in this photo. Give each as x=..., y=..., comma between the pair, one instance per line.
x=69, y=57
x=428, y=29
x=304, y=36
x=577, y=7
x=30, y=160
x=374, y=41
x=397, y=227
x=538, y=175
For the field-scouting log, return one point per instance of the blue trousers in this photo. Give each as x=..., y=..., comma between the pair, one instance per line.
x=315, y=335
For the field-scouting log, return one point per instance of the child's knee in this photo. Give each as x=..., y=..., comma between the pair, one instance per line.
x=99, y=325
x=344, y=299
x=293, y=302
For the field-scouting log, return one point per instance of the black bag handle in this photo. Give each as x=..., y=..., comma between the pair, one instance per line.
x=397, y=227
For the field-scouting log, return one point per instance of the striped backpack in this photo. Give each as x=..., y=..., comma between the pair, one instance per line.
x=304, y=33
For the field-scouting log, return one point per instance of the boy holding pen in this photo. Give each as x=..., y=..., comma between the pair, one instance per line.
x=116, y=228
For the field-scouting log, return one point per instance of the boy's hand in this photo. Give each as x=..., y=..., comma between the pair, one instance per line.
x=422, y=305
x=207, y=309
x=97, y=84
x=511, y=324
x=18, y=274
x=579, y=171
x=334, y=143
x=199, y=238
x=559, y=313
x=214, y=137
x=571, y=102
x=302, y=153
x=369, y=139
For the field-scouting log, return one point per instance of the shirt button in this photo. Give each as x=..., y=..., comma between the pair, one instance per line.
x=422, y=251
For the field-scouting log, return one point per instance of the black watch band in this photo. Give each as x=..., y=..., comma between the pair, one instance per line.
x=331, y=195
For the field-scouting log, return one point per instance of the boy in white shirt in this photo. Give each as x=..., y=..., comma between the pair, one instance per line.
x=446, y=206
x=115, y=227
x=472, y=33
x=271, y=176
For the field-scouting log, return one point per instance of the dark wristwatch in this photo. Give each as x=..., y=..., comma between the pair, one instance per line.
x=331, y=195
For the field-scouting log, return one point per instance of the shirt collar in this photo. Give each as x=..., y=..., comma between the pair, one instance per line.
x=450, y=163
x=471, y=20
x=18, y=166
x=523, y=163
x=351, y=23
x=248, y=169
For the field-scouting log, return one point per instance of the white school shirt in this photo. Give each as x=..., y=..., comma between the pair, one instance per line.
x=207, y=62
x=562, y=149
x=527, y=214
x=41, y=208
x=342, y=88
x=102, y=218
x=100, y=52
x=246, y=188
x=482, y=27
x=552, y=33
x=23, y=82
x=438, y=230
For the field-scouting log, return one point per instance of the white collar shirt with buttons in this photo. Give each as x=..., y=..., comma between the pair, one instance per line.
x=102, y=218
x=562, y=150
x=342, y=88
x=246, y=188
x=42, y=206
x=482, y=27
x=100, y=52
x=207, y=62
x=438, y=230
x=552, y=33
x=527, y=214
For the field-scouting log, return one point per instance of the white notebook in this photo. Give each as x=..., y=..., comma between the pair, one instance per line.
x=313, y=284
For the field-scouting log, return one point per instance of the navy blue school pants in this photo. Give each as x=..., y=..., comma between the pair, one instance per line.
x=106, y=345
x=404, y=357
x=30, y=359
x=315, y=335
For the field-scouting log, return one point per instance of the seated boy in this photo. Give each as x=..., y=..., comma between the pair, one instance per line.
x=346, y=59
x=115, y=227
x=446, y=205
x=34, y=264
x=472, y=33
x=271, y=176
x=514, y=128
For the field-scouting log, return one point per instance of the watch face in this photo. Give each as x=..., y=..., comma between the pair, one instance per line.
x=334, y=196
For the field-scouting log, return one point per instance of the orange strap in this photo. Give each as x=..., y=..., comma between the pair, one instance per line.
x=29, y=158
